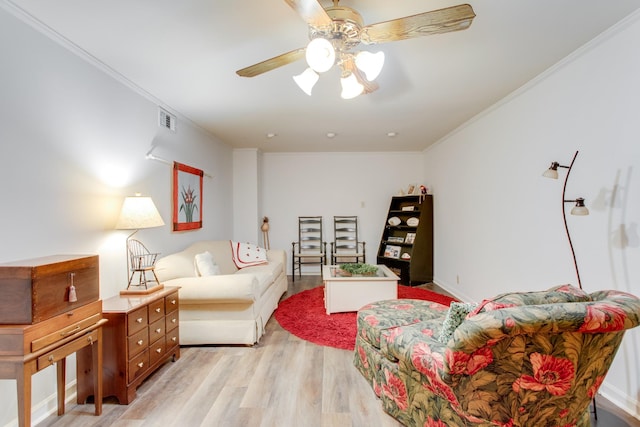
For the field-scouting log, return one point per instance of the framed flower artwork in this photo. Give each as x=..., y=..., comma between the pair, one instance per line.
x=187, y=197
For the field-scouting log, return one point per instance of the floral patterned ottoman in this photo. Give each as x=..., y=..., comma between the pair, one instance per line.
x=519, y=359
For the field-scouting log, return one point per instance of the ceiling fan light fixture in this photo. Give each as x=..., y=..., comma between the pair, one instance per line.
x=306, y=80
x=350, y=86
x=320, y=55
x=370, y=63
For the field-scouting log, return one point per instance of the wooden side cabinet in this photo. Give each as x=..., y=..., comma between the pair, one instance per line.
x=141, y=334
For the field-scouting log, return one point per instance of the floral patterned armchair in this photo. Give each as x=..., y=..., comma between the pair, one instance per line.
x=519, y=359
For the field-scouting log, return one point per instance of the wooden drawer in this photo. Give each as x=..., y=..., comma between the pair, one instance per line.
x=171, y=321
x=156, y=310
x=63, y=351
x=137, y=320
x=156, y=330
x=64, y=332
x=157, y=350
x=38, y=289
x=173, y=338
x=137, y=343
x=138, y=366
x=24, y=339
x=171, y=303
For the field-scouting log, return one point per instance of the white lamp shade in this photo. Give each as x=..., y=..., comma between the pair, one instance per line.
x=370, y=63
x=551, y=173
x=350, y=87
x=579, y=210
x=320, y=55
x=138, y=212
x=306, y=80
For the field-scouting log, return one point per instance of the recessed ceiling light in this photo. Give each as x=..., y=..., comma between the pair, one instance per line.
x=392, y=134
x=271, y=135
x=331, y=134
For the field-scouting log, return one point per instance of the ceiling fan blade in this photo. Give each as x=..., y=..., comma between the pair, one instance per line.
x=312, y=12
x=454, y=18
x=273, y=63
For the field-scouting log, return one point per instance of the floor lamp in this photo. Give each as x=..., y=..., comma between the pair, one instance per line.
x=578, y=209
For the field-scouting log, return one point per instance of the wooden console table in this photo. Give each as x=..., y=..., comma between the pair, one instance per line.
x=27, y=349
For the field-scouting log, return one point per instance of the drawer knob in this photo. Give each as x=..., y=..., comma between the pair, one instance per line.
x=158, y=330
x=174, y=320
x=139, y=320
x=90, y=339
x=158, y=350
x=140, y=365
x=158, y=310
x=174, y=339
x=50, y=358
x=140, y=342
x=173, y=302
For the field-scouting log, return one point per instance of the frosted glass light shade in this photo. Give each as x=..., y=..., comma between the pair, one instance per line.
x=306, y=80
x=370, y=64
x=320, y=55
x=552, y=172
x=138, y=212
x=350, y=87
x=579, y=208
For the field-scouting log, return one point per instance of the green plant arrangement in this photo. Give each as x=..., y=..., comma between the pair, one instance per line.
x=359, y=269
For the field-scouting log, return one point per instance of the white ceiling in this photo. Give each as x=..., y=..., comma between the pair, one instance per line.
x=184, y=53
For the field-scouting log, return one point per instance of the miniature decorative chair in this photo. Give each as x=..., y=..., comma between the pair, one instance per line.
x=141, y=261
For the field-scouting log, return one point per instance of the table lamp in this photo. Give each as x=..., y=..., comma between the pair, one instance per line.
x=137, y=213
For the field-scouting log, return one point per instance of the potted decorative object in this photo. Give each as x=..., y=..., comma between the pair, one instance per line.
x=358, y=269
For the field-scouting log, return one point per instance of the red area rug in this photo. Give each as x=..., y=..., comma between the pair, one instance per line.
x=304, y=315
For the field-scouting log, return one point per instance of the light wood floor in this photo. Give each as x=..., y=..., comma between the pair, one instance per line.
x=281, y=382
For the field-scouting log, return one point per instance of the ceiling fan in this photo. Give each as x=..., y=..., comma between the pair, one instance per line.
x=335, y=31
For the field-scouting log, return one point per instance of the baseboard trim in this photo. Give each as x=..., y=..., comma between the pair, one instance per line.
x=624, y=402
x=47, y=407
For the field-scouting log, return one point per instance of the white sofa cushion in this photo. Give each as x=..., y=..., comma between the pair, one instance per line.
x=205, y=265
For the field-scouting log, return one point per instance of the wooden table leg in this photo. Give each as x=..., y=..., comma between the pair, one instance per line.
x=96, y=349
x=23, y=383
x=61, y=369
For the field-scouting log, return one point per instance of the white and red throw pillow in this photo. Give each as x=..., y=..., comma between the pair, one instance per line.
x=247, y=254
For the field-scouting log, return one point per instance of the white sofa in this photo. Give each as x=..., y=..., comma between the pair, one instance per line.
x=232, y=307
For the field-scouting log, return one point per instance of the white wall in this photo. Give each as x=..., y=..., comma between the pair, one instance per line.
x=246, y=206
x=73, y=143
x=498, y=221
x=328, y=184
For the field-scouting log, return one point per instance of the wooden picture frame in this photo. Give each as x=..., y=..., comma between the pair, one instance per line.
x=410, y=238
x=187, y=197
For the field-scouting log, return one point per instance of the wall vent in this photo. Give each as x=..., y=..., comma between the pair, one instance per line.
x=166, y=120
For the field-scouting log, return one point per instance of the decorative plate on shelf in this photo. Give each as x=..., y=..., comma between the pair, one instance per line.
x=405, y=256
x=394, y=221
x=413, y=222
